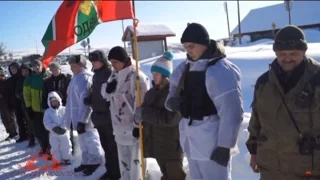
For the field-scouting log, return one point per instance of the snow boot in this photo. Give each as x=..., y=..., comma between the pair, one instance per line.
x=106, y=176
x=31, y=144
x=80, y=168
x=65, y=162
x=11, y=136
x=90, y=169
x=21, y=139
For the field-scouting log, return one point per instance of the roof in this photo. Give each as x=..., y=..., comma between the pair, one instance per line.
x=261, y=19
x=148, y=30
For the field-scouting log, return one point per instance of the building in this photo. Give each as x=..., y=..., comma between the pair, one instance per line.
x=258, y=22
x=152, y=39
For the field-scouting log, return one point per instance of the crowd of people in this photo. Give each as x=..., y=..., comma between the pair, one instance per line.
x=194, y=110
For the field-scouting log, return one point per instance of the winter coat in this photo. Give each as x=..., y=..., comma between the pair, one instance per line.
x=123, y=102
x=14, y=84
x=222, y=82
x=3, y=99
x=32, y=91
x=100, y=108
x=78, y=89
x=58, y=84
x=160, y=126
x=273, y=136
x=54, y=117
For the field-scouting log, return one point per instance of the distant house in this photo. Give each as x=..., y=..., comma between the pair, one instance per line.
x=152, y=39
x=258, y=22
x=30, y=58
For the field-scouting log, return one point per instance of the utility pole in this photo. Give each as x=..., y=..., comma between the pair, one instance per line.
x=239, y=25
x=227, y=13
x=288, y=5
x=124, y=42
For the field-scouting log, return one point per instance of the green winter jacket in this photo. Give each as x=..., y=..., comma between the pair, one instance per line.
x=32, y=91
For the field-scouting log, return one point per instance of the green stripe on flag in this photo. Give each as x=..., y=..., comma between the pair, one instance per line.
x=86, y=21
x=48, y=35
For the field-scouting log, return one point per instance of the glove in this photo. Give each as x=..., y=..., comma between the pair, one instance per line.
x=135, y=133
x=138, y=115
x=174, y=104
x=221, y=156
x=111, y=87
x=87, y=101
x=81, y=128
x=59, y=130
x=30, y=112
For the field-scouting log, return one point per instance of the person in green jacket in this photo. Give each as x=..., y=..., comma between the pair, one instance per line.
x=32, y=93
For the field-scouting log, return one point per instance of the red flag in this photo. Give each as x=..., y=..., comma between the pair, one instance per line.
x=76, y=20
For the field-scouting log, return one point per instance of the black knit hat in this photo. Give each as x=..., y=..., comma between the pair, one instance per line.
x=98, y=55
x=196, y=33
x=290, y=38
x=118, y=53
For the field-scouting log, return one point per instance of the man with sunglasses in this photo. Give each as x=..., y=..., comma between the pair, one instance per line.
x=101, y=114
x=79, y=114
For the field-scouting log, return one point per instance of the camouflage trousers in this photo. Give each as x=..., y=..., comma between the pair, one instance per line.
x=8, y=119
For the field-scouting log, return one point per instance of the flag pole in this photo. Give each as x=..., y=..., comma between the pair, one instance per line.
x=138, y=95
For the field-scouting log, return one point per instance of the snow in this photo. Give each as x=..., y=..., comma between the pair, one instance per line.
x=302, y=13
x=148, y=30
x=253, y=60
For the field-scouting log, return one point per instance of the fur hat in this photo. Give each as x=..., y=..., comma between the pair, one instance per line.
x=163, y=65
x=78, y=59
x=98, y=55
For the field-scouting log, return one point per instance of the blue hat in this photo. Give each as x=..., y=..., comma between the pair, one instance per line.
x=163, y=65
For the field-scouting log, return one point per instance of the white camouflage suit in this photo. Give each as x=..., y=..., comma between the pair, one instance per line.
x=200, y=139
x=122, y=108
x=60, y=144
x=77, y=111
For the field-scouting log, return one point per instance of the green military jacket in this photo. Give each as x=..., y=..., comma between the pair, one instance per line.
x=273, y=136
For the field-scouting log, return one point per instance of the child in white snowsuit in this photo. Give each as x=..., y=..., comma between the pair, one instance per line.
x=120, y=90
x=59, y=136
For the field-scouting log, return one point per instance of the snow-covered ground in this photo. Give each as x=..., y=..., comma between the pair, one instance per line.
x=252, y=60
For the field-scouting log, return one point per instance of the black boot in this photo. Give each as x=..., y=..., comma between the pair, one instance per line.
x=31, y=144
x=90, y=169
x=65, y=162
x=80, y=168
x=11, y=136
x=21, y=139
x=106, y=176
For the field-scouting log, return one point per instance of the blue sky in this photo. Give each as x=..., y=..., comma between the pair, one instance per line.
x=24, y=22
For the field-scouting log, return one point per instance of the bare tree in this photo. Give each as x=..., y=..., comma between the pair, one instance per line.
x=2, y=49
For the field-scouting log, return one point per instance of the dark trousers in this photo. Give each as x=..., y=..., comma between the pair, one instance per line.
x=171, y=169
x=21, y=121
x=8, y=119
x=40, y=132
x=109, y=146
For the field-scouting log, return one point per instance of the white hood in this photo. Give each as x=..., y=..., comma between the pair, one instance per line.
x=54, y=94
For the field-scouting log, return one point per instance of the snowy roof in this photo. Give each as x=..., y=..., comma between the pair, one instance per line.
x=261, y=19
x=144, y=30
